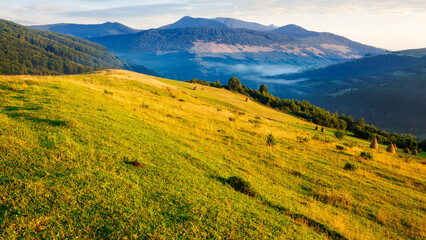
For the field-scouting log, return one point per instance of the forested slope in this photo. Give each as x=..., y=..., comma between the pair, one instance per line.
x=28, y=51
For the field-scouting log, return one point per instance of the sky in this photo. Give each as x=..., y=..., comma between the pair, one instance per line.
x=389, y=24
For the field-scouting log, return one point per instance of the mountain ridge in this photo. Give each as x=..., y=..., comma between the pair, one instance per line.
x=210, y=52
x=87, y=30
x=190, y=22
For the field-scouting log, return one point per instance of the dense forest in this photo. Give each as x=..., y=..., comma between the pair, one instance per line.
x=318, y=115
x=28, y=51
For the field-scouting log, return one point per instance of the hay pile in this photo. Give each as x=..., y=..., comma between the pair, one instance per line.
x=374, y=144
x=391, y=148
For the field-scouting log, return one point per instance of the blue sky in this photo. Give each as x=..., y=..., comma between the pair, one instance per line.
x=390, y=24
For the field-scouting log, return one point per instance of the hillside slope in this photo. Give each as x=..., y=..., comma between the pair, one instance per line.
x=387, y=89
x=66, y=144
x=27, y=51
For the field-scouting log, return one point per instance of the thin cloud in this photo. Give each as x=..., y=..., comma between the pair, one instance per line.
x=131, y=11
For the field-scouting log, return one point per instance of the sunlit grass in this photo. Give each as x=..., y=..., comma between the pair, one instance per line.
x=65, y=145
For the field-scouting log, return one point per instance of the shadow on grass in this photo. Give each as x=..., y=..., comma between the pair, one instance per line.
x=241, y=185
x=15, y=108
x=54, y=123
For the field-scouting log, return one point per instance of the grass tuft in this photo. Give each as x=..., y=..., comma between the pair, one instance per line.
x=366, y=155
x=270, y=140
x=350, y=166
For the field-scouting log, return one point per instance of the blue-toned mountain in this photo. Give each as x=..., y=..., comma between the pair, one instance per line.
x=87, y=30
x=387, y=89
x=220, y=52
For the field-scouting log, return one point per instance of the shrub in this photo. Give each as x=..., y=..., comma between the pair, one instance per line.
x=366, y=155
x=144, y=105
x=339, y=134
x=232, y=119
x=302, y=139
x=241, y=113
x=296, y=173
x=255, y=122
x=270, y=140
x=257, y=117
x=340, y=147
x=350, y=166
x=241, y=185
x=108, y=92
x=350, y=144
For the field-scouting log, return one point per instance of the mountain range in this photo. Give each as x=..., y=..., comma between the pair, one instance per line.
x=210, y=49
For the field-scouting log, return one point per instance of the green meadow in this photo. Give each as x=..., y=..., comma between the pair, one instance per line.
x=67, y=144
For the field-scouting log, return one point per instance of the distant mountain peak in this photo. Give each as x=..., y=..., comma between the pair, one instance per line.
x=188, y=22
x=236, y=23
x=295, y=31
x=222, y=22
x=294, y=26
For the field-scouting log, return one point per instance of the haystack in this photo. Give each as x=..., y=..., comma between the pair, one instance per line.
x=322, y=130
x=195, y=88
x=316, y=128
x=394, y=145
x=247, y=99
x=374, y=144
x=414, y=152
x=391, y=148
x=407, y=150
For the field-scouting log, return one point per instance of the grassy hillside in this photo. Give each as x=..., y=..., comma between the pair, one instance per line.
x=28, y=51
x=66, y=143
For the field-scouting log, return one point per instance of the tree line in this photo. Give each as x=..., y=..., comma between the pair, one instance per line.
x=318, y=115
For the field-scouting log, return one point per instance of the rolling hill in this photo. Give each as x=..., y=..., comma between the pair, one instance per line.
x=87, y=30
x=294, y=31
x=208, y=49
x=27, y=51
x=236, y=23
x=386, y=89
x=189, y=22
x=69, y=147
